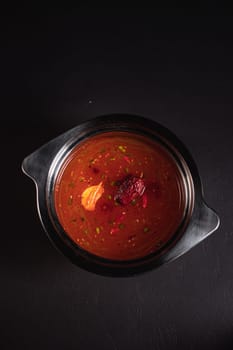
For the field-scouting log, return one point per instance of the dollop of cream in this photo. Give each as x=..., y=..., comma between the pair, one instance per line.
x=91, y=195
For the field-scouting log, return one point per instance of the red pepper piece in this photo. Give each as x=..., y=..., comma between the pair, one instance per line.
x=114, y=230
x=130, y=188
x=127, y=159
x=144, y=201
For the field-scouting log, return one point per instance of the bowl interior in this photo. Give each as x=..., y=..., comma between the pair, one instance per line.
x=120, y=231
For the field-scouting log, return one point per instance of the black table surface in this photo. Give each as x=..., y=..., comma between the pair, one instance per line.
x=64, y=67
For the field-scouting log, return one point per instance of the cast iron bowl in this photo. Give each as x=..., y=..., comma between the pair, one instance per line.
x=43, y=165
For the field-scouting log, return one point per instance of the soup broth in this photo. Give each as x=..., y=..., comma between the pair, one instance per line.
x=120, y=195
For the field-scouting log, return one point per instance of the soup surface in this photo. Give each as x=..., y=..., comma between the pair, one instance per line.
x=119, y=195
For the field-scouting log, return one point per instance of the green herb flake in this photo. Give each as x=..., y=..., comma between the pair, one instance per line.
x=122, y=148
x=146, y=229
x=113, y=158
x=113, y=183
x=81, y=179
x=127, y=170
x=121, y=226
x=102, y=150
x=70, y=200
x=71, y=184
x=134, y=202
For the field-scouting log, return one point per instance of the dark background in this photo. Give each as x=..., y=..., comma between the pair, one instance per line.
x=65, y=66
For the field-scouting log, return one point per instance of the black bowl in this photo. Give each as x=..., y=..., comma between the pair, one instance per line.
x=43, y=166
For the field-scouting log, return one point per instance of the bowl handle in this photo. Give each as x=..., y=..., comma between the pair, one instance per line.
x=209, y=222
x=200, y=227
x=37, y=164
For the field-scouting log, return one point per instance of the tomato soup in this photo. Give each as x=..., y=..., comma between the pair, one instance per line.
x=120, y=195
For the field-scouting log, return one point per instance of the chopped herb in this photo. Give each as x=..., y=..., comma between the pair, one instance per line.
x=112, y=158
x=134, y=202
x=102, y=150
x=122, y=149
x=127, y=170
x=97, y=230
x=113, y=183
x=70, y=200
x=121, y=226
x=146, y=229
x=81, y=179
x=71, y=184
x=91, y=161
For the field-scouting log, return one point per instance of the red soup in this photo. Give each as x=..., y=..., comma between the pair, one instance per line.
x=120, y=195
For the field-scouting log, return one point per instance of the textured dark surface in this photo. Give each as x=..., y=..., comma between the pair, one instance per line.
x=62, y=68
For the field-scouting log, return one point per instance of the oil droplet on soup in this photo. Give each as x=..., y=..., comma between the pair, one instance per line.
x=120, y=196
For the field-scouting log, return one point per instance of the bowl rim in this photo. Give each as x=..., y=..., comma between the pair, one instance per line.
x=59, y=162
x=51, y=155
